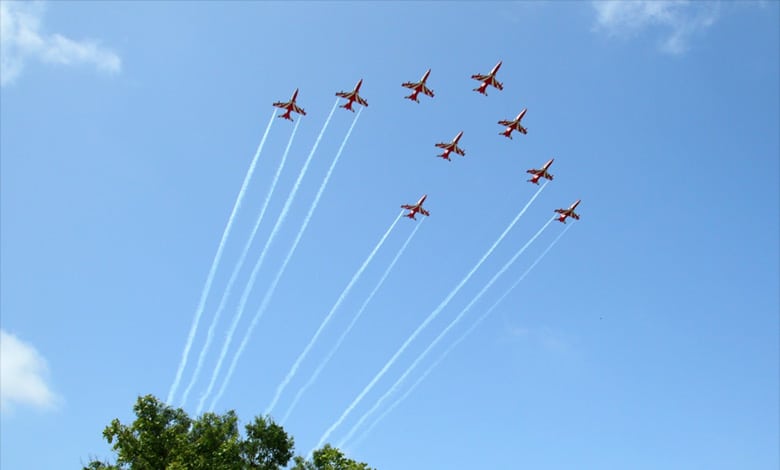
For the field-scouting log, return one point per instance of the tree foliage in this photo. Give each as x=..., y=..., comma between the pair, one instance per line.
x=328, y=458
x=164, y=438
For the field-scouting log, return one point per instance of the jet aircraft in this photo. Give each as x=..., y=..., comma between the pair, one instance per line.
x=290, y=106
x=489, y=79
x=541, y=172
x=568, y=212
x=451, y=147
x=514, y=125
x=352, y=96
x=418, y=87
x=416, y=208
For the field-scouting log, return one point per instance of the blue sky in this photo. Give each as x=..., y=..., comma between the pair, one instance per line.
x=647, y=338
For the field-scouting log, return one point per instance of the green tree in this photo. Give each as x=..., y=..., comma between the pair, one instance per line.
x=329, y=458
x=164, y=438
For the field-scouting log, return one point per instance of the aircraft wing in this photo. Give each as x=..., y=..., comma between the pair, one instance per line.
x=298, y=109
x=574, y=216
x=442, y=145
x=407, y=207
x=427, y=91
x=459, y=150
x=480, y=77
x=424, y=212
x=361, y=100
x=344, y=94
x=497, y=84
x=561, y=211
x=410, y=85
x=280, y=104
x=508, y=123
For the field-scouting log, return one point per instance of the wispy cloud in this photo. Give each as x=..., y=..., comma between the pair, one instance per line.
x=679, y=20
x=22, y=375
x=545, y=337
x=22, y=39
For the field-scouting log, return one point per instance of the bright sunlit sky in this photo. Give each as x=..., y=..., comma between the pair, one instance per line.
x=646, y=338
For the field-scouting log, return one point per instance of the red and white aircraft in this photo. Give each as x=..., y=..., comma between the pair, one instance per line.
x=290, y=106
x=568, y=212
x=489, y=79
x=451, y=147
x=541, y=172
x=416, y=208
x=514, y=125
x=352, y=96
x=418, y=87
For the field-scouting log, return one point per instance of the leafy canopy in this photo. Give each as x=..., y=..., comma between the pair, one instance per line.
x=164, y=438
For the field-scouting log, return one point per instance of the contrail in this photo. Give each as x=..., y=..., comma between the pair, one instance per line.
x=237, y=269
x=457, y=342
x=253, y=275
x=426, y=321
x=351, y=324
x=272, y=288
x=326, y=320
x=210, y=278
x=444, y=333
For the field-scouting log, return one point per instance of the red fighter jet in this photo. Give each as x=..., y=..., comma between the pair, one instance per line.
x=489, y=79
x=514, y=125
x=352, y=96
x=290, y=106
x=451, y=147
x=541, y=172
x=418, y=87
x=416, y=208
x=568, y=212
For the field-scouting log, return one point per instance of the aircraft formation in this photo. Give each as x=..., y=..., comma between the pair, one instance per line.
x=352, y=98
x=448, y=147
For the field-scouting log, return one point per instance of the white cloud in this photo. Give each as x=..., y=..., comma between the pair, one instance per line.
x=22, y=375
x=21, y=39
x=679, y=19
x=547, y=338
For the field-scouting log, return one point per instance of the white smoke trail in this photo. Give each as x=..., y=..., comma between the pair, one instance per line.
x=294, y=369
x=272, y=287
x=253, y=275
x=455, y=344
x=425, y=323
x=210, y=278
x=443, y=333
x=237, y=269
x=333, y=350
